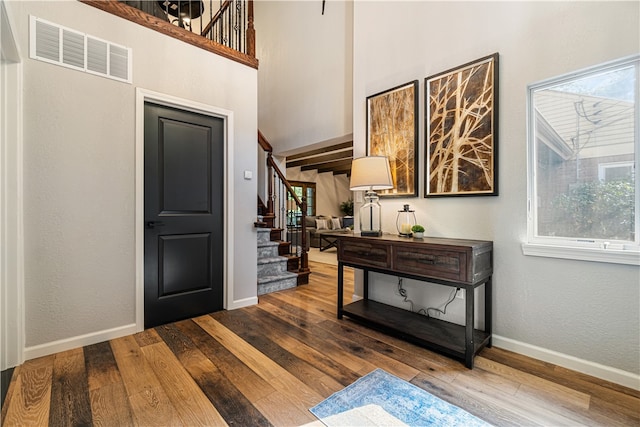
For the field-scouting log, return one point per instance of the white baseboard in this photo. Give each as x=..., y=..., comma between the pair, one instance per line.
x=79, y=341
x=597, y=370
x=243, y=303
x=96, y=337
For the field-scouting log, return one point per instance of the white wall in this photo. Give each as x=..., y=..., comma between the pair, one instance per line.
x=305, y=75
x=79, y=175
x=585, y=310
x=331, y=190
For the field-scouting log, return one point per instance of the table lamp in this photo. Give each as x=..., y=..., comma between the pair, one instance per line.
x=369, y=174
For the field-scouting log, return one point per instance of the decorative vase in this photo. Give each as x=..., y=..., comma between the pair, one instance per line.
x=418, y=234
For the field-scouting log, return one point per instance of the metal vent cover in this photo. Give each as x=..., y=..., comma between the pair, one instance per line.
x=62, y=46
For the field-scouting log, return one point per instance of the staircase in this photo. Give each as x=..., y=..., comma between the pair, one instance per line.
x=272, y=267
x=282, y=242
x=278, y=260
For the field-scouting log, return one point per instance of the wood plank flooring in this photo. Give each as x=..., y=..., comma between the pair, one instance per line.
x=268, y=364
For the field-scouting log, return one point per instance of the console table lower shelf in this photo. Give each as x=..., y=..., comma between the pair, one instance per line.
x=434, y=334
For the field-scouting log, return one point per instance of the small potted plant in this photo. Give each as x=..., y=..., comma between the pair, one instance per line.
x=418, y=231
x=346, y=207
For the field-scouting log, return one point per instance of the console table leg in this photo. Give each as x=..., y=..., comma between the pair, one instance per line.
x=365, y=285
x=340, y=288
x=488, y=313
x=469, y=346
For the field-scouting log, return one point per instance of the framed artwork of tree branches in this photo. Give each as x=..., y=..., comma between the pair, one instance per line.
x=461, y=130
x=392, y=131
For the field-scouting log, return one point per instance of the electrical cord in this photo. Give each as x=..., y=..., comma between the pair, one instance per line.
x=444, y=310
x=403, y=293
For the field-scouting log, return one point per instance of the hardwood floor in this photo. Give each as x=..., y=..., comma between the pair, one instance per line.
x=268, y=364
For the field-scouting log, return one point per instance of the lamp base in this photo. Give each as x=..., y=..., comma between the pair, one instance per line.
x=371, y=233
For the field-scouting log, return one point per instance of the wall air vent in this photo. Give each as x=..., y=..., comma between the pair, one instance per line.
x=58, y=45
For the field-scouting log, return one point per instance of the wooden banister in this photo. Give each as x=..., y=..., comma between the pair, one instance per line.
x=132, y=14
x=215, y=18
x=288, y=186
x=264, y=143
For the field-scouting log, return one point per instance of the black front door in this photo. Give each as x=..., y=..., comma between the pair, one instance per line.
x=183, y=206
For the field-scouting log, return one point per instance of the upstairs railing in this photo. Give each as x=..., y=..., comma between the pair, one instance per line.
x=232, y=25
x=224, y=27
x=285, y=210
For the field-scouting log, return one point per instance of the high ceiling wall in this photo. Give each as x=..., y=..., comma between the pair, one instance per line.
x=305, y=74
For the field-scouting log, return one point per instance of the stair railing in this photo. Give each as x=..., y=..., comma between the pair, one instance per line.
x=232, y=26
x=282, y=204
x=229, y=24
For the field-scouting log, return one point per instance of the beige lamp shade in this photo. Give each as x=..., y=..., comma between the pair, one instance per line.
x=370, y=173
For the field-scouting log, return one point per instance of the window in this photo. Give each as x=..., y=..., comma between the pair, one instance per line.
x=583, y=150
x=302, y=189
x=608, y=172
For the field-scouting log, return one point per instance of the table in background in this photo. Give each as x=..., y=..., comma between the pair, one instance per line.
x=331, y=238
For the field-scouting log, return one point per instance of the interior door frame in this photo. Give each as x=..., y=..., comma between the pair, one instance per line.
x=142, y=96
x=12, y=275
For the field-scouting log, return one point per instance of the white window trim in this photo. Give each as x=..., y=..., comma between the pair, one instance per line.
x=614, y=256
x=576, y=249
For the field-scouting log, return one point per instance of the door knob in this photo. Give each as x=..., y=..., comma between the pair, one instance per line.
x=154, y=224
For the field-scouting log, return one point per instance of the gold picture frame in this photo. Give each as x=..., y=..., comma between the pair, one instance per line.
x=461, y=130
x=392, y=131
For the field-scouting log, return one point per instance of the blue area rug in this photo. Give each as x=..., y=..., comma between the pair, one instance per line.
x=382, y=399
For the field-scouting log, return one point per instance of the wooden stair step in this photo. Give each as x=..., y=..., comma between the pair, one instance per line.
x=303, y=277
x=283, y=248
x=269, y=220
x=293, y=262
x=276, y=234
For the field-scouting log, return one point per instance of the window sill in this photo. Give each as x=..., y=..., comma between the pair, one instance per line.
x=614, y=256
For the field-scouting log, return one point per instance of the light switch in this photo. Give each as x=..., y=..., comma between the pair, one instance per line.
x=248, y=174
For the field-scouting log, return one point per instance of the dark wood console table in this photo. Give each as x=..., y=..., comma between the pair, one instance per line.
x=464, y=264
